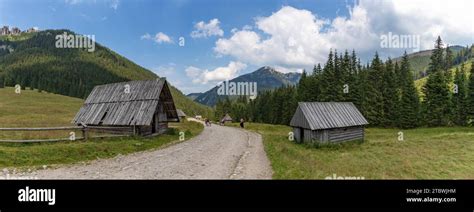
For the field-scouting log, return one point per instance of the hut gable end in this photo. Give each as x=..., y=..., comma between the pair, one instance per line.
x=299, y=120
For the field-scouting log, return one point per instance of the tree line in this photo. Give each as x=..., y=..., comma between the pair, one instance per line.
x=384, y=92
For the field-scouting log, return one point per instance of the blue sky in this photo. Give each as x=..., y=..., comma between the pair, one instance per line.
x=224, y=39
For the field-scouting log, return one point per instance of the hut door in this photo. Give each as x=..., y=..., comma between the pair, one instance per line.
x=153, y=124
x=301, y=134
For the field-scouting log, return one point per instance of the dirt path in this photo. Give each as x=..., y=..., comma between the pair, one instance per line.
x=217, y=153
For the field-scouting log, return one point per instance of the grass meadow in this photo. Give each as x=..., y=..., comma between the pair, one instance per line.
x=34, y=109
x=425, y=153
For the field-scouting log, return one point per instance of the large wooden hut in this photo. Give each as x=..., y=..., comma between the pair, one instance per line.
x=144, y=106
x=327, y=122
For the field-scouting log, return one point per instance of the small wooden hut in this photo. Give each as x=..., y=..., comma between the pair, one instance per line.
x=327, y=122
x=226, y=118
x=145, y=106
x=181, y=115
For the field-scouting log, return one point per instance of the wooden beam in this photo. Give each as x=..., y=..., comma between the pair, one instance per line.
x=41, y=128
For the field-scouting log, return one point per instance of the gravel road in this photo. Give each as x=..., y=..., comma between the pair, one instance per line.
x=217, y=153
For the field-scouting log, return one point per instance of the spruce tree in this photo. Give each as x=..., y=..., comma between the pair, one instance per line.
x=374, y=92
x=389, y=93
x=436, y=60
x=459, y=100
x=302, y=88
x=470, y=97
x=409, y=106
x=448, y=61
x=338, y=80
x=355, y=84
x=317, y=70
x=347, y=80
x=436, y=102
x=365, y=92
x=327, y=86
x=314, y=87
x=2, y=81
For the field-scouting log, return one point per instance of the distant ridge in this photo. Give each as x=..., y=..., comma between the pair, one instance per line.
x=266, y=77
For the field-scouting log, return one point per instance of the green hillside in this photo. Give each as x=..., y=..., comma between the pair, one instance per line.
x=33, y=109
x=419, y=83
x=419, y=61
x=32, y=60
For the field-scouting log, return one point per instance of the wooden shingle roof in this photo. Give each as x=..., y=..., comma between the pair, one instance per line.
x=110, y=104
x=226, y=118
x=327, y=115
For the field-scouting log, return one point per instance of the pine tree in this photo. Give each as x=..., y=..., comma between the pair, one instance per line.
x=317, y=70
x=436, y=60
x=374, y=92
x=365, y=91
x=314, y=84
x=303, y=85
x=409, y=106
x=389, y=94
x=448, y=62
x=459, y=100
x=436, y=102
x=347, y=80
x=337, y=82
x=355, y=86
x=2, y=81
x=470, y=97
x=328, y=89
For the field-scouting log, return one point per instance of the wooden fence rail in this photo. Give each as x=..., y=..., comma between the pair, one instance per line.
x=116, y=131
x=43, y=128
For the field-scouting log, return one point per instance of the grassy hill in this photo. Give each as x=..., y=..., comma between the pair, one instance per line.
x=32, y=60
x=419, y=61
x=34, y=109
x=419, y=83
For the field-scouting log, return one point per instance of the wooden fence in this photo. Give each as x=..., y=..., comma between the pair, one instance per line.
x=114, y=131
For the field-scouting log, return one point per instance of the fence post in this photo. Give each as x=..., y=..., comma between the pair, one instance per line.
x=84, y=132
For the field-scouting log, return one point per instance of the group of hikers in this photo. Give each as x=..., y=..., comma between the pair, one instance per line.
x=208, y=122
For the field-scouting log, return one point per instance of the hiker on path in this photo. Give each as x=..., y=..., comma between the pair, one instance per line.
x=242, y=123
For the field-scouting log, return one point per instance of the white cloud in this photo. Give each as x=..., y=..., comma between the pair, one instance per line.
x=294, y=38
x=146, y=36
x=219, y=74
x=203, y=29
x=111, y=3
x=114, y=4
x=165, y=70
x=72, y=2
x=192, y=71
x=159, y=38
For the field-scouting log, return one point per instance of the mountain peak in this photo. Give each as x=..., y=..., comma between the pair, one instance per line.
x=266, y=77
x=266, y=68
